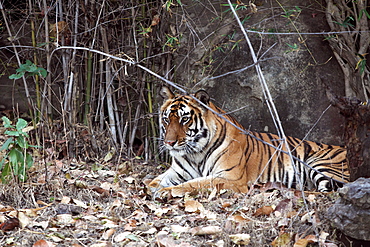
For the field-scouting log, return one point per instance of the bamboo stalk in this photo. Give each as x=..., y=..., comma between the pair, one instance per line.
x=34, y=44
x=47, y=87
x=88, y=88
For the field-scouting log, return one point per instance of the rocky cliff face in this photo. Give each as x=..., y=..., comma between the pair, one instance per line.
x=351, y=213
x=296, y=68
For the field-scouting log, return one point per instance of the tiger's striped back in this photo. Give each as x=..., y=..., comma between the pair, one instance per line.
x=318, y=166
x=209, y=149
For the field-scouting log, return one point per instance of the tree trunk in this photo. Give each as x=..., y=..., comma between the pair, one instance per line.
x=356, y=133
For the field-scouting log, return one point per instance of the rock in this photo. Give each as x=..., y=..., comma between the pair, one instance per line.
x=351, y=212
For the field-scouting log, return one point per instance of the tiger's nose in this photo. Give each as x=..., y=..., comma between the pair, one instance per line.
x=171, y=143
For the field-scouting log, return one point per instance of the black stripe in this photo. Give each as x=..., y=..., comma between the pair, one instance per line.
x=183, y=169
x=217, y=143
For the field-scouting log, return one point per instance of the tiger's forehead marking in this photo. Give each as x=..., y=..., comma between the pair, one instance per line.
x=178, y=106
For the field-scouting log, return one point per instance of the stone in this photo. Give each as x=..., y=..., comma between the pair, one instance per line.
x=351, y=212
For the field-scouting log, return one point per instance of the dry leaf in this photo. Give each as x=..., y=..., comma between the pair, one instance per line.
x=213, y=194
x=80, y=203
x=265, y=210
x=179, y=229
x=253, y=7
x=156, y=20
x=39, y=202
x=192, y=206
x=106, y=186
x=129, y=180
x=164, y=240
x=101, y=244
x=24, y=220
x=226, y=204
x=239, y=219
x=9, y=224
x=108, y=233
x=308, y=217
x=311, y=198
x=206, y=230
x=42, y=224
x=99, y=190
x=282, y=240
x=65, y=200
x=283, y=222
x=116, y=203
x=121, y=236
x=330, y=245
x=65, y=219
x=311, y=238
x=81, y=184
x=291, y=214
x=284, y=206
x=43, y=243
x=302, y=242
x=109, y=223
x=60, y=27
x=243, y=239
x=150, y=231
x=323, y=236
x=109, y=155
x=161, y=211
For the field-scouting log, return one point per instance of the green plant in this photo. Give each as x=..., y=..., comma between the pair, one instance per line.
x=361, y=64
x=16, y=160
x=293, y=47
x=364, y=11
x=171, y=42
x=28, y=69
x=291, y=12
x=237, y=6
x=167, y=5
x=348, y=22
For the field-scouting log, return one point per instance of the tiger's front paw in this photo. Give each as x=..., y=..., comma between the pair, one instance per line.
x=158, y=191
x=176, y=191
x=173, y=191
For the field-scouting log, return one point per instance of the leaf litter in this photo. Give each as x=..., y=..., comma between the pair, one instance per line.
x=100, y=205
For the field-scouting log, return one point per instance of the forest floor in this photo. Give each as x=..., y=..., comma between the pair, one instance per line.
x=70, y=203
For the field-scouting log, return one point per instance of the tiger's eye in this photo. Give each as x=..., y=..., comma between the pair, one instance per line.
x=184, y=119
x=165, y=119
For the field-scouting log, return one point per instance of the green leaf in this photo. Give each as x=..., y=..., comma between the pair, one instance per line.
x=6, y=144
x=132, y=237
x=7, y=122
x=2, y=163
x=29, y=161
x=15, y=156
x=362, y=12
x=16, y=76
x=6, y=173
x=22, y=142
x=21, y=124
x=11, y=133
x=43, y=72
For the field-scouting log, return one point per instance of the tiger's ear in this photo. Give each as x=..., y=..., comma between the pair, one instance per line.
x=166, y=93
x=202, y=96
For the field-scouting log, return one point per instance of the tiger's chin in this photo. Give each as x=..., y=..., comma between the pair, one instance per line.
x=184, y=150
x=178, y=152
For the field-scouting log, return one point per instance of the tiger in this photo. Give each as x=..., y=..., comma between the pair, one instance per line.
x=211, y=149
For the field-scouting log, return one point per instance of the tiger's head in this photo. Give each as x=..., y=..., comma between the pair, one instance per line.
x=183, y=122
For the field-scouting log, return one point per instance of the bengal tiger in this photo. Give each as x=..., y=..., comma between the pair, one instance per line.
x=209, y=149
